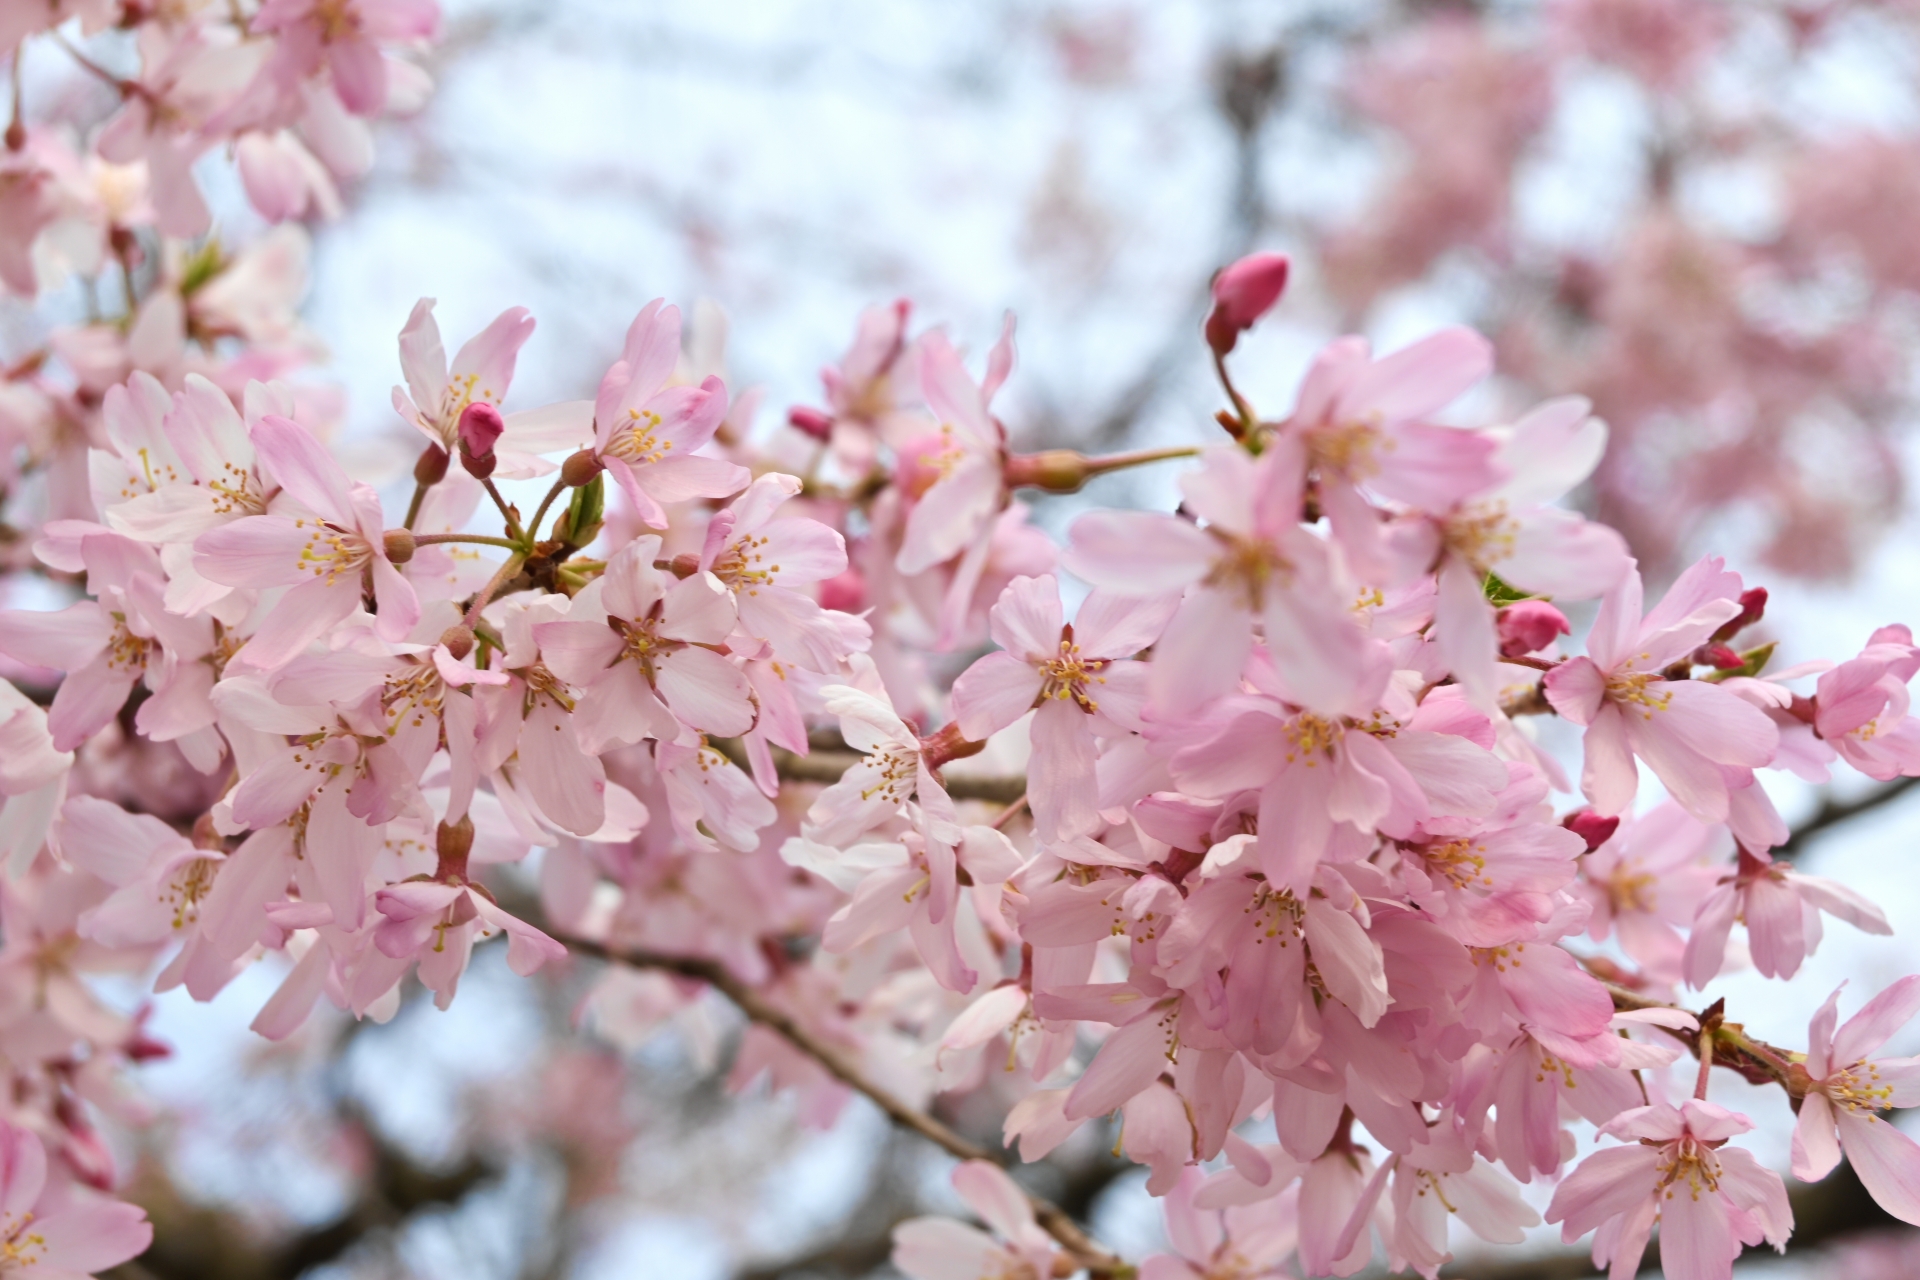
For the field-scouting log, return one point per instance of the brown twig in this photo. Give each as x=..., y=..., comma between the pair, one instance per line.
x=1098, y=1260
x=1832, y=813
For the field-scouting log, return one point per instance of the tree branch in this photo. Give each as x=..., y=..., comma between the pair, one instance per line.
x=1098, y=1260
x=1832, y=813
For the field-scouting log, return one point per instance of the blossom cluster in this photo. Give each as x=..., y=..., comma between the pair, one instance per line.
x=1286, y=886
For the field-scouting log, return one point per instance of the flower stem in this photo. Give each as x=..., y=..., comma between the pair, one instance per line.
x=500, y=579
x=533, y=526
x=482, y=539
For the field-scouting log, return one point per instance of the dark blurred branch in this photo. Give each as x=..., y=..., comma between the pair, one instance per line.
x=1096, y=1258
x=1832, y=813
x=200, y=1242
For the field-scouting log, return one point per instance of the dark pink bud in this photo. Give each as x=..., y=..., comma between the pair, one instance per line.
x=1242, y=293
x=1528, y=626
x=1753, y=607
x=480, y=427
x=811, y=422
x=847, y=592
x=1718, y=656
x=1591, y=827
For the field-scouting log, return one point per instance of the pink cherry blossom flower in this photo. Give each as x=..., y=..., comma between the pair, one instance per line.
x=1646, y=883
x=1240, y=1242
x=1251, y=561
x=634, y=643
x=346, y=36
x=330, y=558
x=1851, y=1093
x=1362, y=426
x=965, y=458
x=1709, y=1198
x=1781, y=909
x=646, y=432
x=59, y=1232
x=1686, y=730
x=437, y=398
x=763, y=558
x=438, y=924
x=942, y=1249
x=1440, y=1178
x=1076, y=678
x=1509, y=530
x=1861, y=707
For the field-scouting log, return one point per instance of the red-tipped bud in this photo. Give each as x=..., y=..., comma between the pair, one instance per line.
x=458, y=639
x=1528, y=626
x=399, y=545
x=1591, y=827
x=1753, y=607
x=580, y=468
x=1242, y=293
x=811, y=422
x=1718, y=656
x=480, y=426
x=431, y=469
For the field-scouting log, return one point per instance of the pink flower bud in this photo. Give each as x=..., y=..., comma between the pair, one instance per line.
x=1528, y=626
x=1753, y=607
x=1591, y=827
x=810, y=422
x=480, y=427
x=1242, y=293
x=1718, y=656
x=846, y=591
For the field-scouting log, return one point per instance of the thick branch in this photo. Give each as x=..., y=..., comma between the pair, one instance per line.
x=1054, y=1220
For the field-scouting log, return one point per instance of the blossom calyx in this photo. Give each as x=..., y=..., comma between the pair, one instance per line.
x=453, y=841
x=399, y=545
x=948, y=744
x=1054, y=471
x=1242, y=293
x=458, y=639
x=431, y=468
x=581, y=468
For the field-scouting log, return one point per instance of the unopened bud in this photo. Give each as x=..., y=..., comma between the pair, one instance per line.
x=480, y=426
x=1242, y=293
x=400, y=545
x=458, y=639
x=453, y=842
x=580, y=468
x=1591, y=827
x=431, y=468
x=1055, y=471
x=811, y=422
x=1528, y=626
x=1753, y=607
x=1718, y=656
x=16, y=136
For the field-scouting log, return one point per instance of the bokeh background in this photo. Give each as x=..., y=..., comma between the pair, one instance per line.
x=1701, y=215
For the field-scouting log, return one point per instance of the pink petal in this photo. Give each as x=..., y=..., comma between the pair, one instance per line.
x=568, y=784
x=951, y=515
x=1609, y=777
x=304, y=468
x=489, y=356
x=1060, y=776
x=1870, y=1028
x=1887, y=1160
x=698, y=610
x=1137, y=552
x=1697, y=1240
x=1202, y=652
x=993, y=693
x=1130, y=1060
x=423, y=359
x=1415, y=381
x=65, y=640
x=1815, y=1148
x=254, y=551
x=1606, y=1184
x=990, y=1193
x=1027, y=618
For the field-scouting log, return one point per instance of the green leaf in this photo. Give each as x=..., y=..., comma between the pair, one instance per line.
x=1753, y=662
x=1500, y=593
